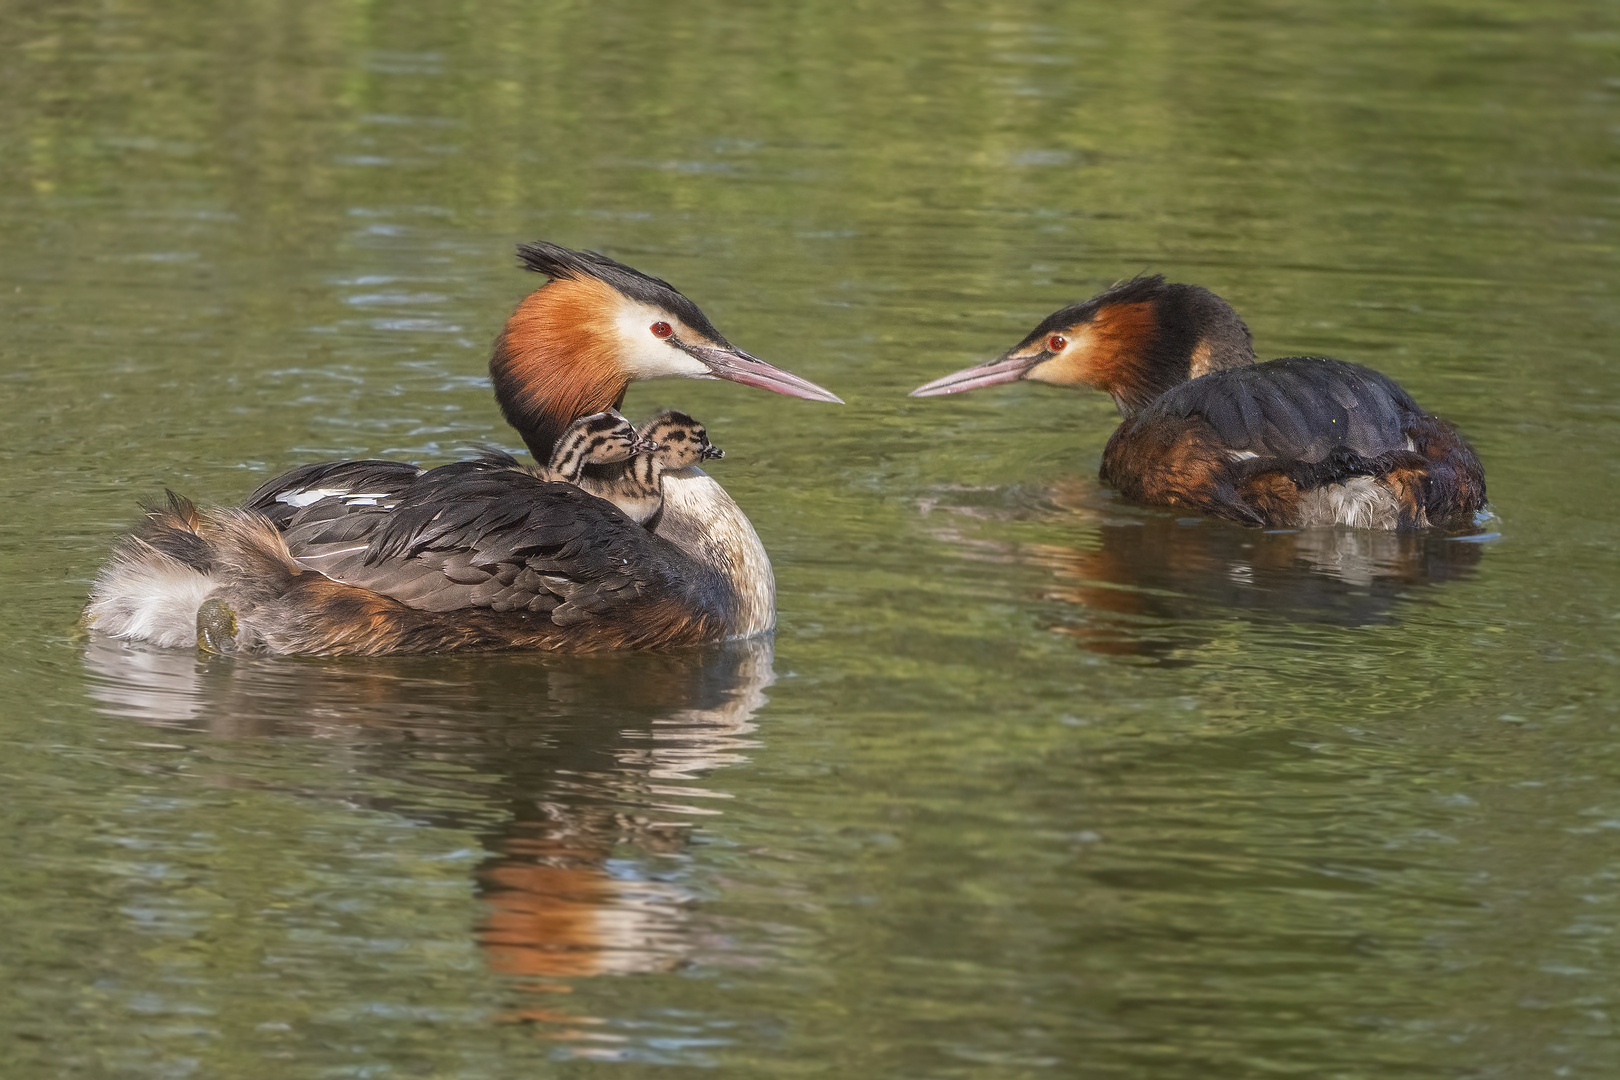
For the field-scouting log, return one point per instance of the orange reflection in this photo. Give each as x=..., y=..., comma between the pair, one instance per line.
x=598, y=767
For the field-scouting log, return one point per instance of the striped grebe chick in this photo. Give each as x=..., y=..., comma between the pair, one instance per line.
x=371, y=557
x=1300, y=441
x=669, y=441
x=604, y=438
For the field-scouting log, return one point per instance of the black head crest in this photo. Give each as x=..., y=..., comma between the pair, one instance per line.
x=566, y=264
x=1137, y=290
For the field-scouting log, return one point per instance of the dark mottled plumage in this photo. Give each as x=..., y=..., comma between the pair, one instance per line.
x=479, y=534
x=370, y=477
x=1310, y=423
x=584, y=578
x=1300, y=407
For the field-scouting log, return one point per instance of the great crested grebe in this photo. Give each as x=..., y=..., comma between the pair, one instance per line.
x=1288, y=443
x=669, y=441
x=369, y=557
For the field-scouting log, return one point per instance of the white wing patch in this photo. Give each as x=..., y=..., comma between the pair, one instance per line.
x=304, y=496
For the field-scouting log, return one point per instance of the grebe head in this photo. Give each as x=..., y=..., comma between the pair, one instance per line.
x=1134, y=341
x=574, y=345
x=678, y=440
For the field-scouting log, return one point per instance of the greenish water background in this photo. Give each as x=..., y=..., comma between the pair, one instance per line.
x=1030, y=783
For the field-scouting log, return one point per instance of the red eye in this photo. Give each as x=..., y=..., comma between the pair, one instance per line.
x=661, y=329
x=1056, y=343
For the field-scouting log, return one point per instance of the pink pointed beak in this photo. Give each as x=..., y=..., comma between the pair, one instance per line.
x=1005, y=369
x=736, y=366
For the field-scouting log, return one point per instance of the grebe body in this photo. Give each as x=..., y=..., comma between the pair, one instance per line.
x=370, y=557
x=1287, y=443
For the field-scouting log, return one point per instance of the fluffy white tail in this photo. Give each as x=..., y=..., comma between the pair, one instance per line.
x=160, y=575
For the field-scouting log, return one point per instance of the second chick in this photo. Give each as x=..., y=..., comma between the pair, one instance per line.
x=670, y=440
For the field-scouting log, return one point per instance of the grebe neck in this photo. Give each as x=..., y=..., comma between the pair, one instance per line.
x=703, y=521
x=556, y=361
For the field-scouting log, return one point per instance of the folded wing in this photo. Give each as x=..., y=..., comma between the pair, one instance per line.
x=481, y=535
x=1302, y=408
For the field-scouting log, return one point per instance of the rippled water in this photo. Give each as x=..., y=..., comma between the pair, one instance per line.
x=1030, y=781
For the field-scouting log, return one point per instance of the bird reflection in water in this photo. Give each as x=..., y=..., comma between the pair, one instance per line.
x=1148, y=584
x=594, y=766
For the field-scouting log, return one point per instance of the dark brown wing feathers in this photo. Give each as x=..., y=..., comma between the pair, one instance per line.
x=277, y=499
x=1299, y=408
x=478, y=548
x=1307, y=422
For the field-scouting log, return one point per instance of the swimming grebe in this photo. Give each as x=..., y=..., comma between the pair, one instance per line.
x=669, y=441
x=369, y=557
x=604, y=438
x=1300, y=441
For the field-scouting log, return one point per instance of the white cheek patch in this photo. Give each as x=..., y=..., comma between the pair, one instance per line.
x=649, y=357
x=1046, y=372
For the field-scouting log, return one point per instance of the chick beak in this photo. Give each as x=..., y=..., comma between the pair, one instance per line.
x=713, y=451
x=1005, y=369
x=734, y=365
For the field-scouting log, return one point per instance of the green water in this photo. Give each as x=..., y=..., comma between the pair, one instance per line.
x=1030, y=782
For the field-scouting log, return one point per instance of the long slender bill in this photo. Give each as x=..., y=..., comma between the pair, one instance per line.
x=736, y=366
x=992, y=373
